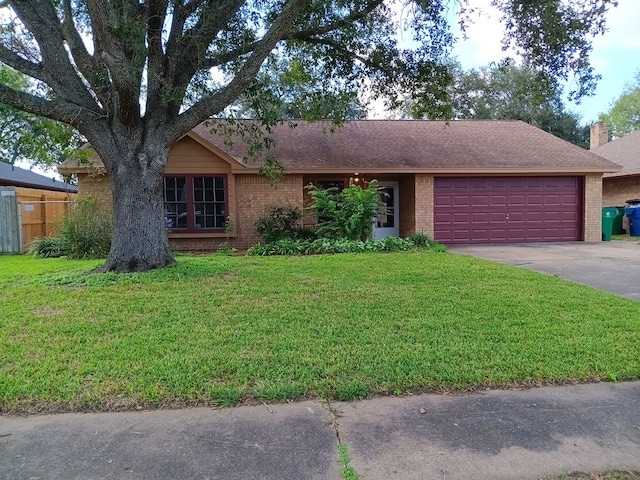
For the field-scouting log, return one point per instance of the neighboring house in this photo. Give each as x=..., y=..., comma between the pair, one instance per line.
x=30, y=206
x=623, y=185
x=458, y=182
x=13, y=176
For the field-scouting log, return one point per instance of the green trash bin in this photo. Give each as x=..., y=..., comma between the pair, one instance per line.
x=609, y=216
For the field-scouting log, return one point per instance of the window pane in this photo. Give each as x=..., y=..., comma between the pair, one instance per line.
x=175, y=202
x=209, y=198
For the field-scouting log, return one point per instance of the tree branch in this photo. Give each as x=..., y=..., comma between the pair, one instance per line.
x=156, y=14
x=197, y=39
x=42, y=21
x=305, y=35
x=123, y=57
x=62, y=111
x=247, y=74
x=19, y=63
x=93, y=71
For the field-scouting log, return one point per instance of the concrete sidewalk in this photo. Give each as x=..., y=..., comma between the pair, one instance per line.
x=489, y=435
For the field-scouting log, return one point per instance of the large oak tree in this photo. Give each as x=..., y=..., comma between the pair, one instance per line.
x=133, y=76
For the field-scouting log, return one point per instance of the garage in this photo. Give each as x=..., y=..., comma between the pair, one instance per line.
x=508, y=209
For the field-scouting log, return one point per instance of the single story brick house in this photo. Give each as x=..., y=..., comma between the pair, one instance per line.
x=620, y=186
x=458, y=182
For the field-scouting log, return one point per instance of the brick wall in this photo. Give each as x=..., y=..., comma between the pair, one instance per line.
x=616, y=191
x=593, y=208
x=254, y=195
x=249, y=197
x=424, y=204
x=407, y=202
x=97, y=185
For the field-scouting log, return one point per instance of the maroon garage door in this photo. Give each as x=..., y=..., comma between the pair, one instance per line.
x=508, y=209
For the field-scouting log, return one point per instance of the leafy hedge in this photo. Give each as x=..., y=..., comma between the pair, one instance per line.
x=289, y=246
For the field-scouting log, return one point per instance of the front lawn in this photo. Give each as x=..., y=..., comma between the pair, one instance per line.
x=223, y=330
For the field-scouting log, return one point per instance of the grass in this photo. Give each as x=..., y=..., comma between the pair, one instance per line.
x=225, y=330
x=613, y=475
x=625, y=237
x=348, y=472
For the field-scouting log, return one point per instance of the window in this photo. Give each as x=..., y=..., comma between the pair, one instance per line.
x=195, y=203
x=327, y=184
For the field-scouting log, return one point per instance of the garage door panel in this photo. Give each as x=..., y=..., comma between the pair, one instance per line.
x=461, y=201
x=480, y=201
x=498, y=201
x=442, y=201
x=508, y=209
x=480, y=217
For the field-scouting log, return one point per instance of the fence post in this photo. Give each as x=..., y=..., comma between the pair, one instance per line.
x=43, y=216
x=9, y=226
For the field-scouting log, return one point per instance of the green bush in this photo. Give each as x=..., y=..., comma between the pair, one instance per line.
x=87, y=231
x=49, y=247
x=349, y=213
x=84, y=233
x=279, y=222
x=290, y=246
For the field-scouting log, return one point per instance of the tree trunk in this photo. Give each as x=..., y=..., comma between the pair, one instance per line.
x=140, y=240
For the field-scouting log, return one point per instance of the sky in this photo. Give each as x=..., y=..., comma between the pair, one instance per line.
x=615, y=55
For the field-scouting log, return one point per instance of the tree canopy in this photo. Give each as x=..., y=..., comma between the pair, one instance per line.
x=624, y=115
x=133, y=76
x=515, y=92
x=30, y=138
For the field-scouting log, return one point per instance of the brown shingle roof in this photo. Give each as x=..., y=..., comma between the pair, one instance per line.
x=415, y=146
x=624, y=151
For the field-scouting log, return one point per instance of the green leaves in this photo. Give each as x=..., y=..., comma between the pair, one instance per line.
x=624, y=116
x=513, y=92
x=30, y=138
x=349, y=213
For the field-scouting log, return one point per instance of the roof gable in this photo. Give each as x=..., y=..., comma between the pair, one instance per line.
x=624, y=151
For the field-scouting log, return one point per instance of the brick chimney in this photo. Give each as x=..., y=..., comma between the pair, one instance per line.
x=599, y=133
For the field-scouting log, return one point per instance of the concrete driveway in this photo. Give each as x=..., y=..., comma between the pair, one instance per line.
x=612, y=266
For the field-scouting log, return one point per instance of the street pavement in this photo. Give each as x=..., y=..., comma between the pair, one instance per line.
x=524, y=434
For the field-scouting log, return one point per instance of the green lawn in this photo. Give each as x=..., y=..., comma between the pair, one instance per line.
x=222, y=330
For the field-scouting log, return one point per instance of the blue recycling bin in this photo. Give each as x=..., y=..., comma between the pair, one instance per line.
x=633, y=214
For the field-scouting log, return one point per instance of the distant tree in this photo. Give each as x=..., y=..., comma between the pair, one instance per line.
x=31, y=138
x=512, y=92
x=624, y=115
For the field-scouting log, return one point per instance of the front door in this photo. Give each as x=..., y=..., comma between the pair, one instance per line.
x=388, y=225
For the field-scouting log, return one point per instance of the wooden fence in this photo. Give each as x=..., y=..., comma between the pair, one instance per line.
x=29, y=213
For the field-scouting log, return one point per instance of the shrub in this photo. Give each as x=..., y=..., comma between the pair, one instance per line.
x=279, y=222
x=347, y=214
x=49, y=247
x=87, y=231
x=290, y=246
